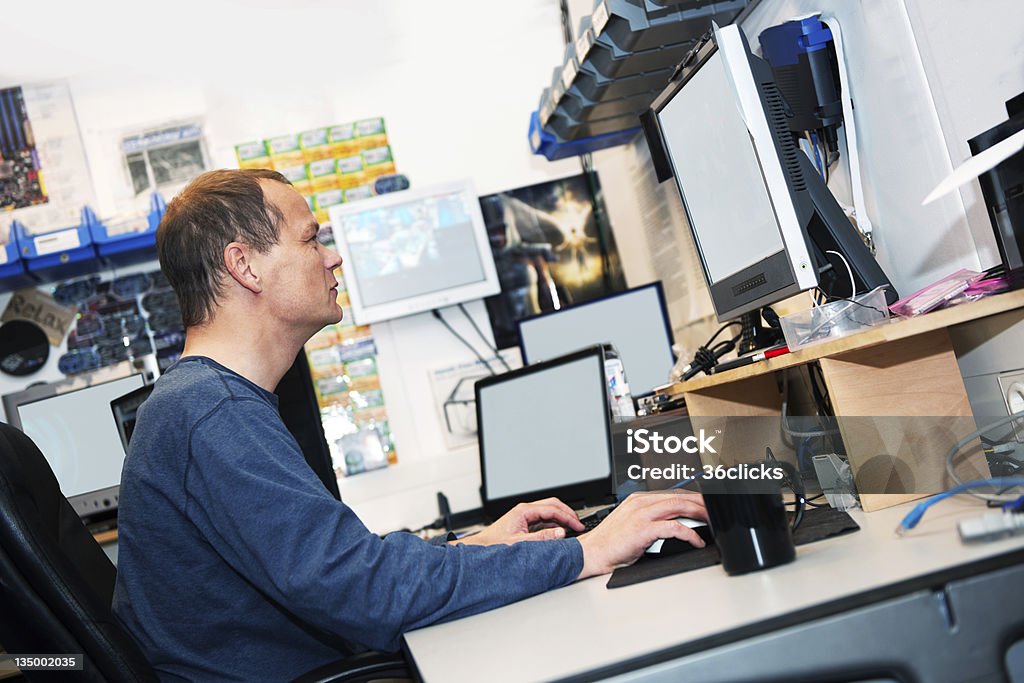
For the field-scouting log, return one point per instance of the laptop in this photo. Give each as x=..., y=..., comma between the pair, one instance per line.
x=544, y=430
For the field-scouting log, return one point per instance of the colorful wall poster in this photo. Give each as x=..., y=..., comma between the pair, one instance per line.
x=553, y=248
x=335, y=165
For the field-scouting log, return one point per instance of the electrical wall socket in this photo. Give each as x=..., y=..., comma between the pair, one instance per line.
x=1012, y=386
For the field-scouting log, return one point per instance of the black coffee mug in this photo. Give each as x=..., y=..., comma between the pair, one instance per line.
x=748, y=518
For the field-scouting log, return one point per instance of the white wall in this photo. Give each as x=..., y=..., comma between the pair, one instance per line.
x=973, y=58
x=454, y=79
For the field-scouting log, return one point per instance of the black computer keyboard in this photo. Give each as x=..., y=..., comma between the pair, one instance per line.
x=590, y=521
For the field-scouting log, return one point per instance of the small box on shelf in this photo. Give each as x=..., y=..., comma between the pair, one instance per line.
x=126, y=241
x=57, y=254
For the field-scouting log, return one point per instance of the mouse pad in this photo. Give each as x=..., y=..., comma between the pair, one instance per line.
x=818, y=523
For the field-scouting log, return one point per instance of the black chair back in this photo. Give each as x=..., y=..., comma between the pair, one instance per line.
x=56, y=582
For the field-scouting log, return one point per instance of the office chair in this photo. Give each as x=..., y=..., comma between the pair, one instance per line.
x=56, y=584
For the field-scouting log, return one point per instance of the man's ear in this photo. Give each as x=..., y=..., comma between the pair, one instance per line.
x=238, y=258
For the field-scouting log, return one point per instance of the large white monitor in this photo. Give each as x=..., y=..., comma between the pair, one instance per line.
x=764, y=223
x=634, y=321
x=413, y=251
x=79, y=437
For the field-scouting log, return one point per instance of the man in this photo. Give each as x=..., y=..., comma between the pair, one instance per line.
x=235, y=563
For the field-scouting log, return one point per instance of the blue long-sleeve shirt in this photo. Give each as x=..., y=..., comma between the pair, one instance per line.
x=235, y=563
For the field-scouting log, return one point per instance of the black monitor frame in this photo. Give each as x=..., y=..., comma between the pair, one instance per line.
x=595, y=491
x=124, y=409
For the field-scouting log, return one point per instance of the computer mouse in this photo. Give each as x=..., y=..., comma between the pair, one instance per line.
x=672, y=546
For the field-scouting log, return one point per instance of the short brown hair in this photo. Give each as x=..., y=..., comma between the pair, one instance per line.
x=215, y=209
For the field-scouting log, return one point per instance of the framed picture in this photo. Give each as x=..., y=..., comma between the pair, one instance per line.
x=553, y=248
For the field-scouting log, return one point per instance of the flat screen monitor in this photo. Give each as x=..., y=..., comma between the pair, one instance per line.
x=79, y=437
x=764, y=224
x=413, y=251
x=635, y=322
x=544, y=430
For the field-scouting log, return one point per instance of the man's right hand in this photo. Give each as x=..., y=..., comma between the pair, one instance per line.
x=635, y=524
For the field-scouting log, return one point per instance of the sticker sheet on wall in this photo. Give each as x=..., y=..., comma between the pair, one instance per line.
x=120, y=319
x=44, y=176
x=328, y=166
x=343, y=362
x=21, y=180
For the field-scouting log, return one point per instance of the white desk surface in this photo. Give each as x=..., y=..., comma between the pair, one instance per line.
x=586, y=626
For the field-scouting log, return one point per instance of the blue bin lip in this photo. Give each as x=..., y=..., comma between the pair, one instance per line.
x=132, y=242
x=84, y=242
x=98, y=229
x=94, y=243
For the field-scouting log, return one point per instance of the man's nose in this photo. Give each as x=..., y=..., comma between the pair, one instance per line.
x=333, y=259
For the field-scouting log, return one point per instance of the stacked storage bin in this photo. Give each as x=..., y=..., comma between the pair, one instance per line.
x=624, y=55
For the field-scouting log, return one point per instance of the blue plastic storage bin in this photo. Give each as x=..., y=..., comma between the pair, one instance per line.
x=547, y=143
x=13, y=274
x=127, y=247
x=58, y=254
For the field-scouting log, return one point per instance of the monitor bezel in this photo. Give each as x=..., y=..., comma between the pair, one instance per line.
x=656, y=285
x=792, y=269
x=117, y=409
x=365, y=314
x=593, y=491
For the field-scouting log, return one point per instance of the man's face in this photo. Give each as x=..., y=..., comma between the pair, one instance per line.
x=299, y=271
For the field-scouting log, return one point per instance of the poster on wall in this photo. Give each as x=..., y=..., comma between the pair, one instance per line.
x=454, y=389
x=328, y=166
x=21, y=180
x=163, y=158
x=550, y=249
x=44, y=175
x=343, y=362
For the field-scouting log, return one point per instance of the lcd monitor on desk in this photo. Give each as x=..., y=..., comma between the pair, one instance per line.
x=764, y=223
x=635, y=322
x=544, y=431
x=79, y=437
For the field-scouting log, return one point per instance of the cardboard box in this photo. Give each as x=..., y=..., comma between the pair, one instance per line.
x=322, y=176
x=284, y=150
x=342, y=140
x=371, y=133
x=315, y=144
x=252, y=155
x=296, y=175
x=350, y=171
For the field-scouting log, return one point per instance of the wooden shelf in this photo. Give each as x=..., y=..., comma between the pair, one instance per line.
x=104, y=537
x=896, y=329
x=905, y=369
